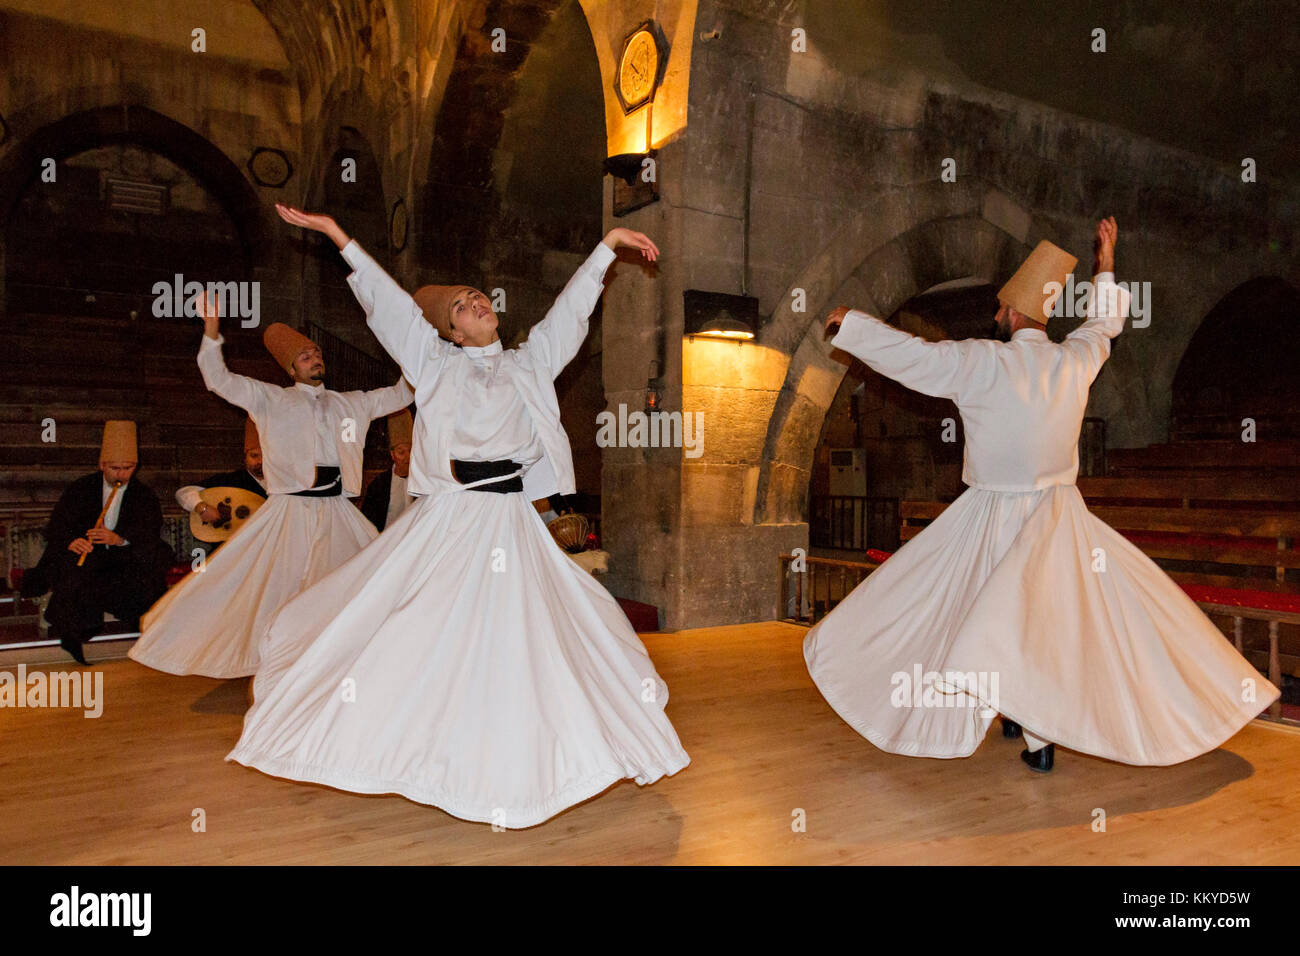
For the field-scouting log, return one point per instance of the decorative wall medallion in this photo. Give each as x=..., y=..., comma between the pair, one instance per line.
x=270, y=167
x=397, y=226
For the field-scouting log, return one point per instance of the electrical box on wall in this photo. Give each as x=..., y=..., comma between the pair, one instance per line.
x=848, y=472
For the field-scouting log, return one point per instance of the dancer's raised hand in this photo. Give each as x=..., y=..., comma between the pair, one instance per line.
x=209, y=309
x=634, y=240
x=317, y=222
x=1107, y=237
x=834, y=319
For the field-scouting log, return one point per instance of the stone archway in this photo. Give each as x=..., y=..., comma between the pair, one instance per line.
x=513, y=202
x=153, y=131
x=917, y=257
x=745, y=499
x=1240, y=363
x=458, y=186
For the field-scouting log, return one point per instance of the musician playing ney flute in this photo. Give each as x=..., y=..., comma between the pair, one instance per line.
x=103, y=548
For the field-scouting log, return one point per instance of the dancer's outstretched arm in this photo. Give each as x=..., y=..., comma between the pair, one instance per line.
x=248, y=393
x=557, y=338
x=391, y=313
x=385, y=401
x=941, y=369
x=1107, y=307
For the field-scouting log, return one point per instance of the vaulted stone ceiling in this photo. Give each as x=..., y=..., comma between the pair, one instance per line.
x=325, y=40
x=396, y=53
x=470, y=122
x=1215, y=79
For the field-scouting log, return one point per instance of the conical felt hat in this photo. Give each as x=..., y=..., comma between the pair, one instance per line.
x=1027, y=291
x=119, y=442
x=435, y=302
x=285, y=344
x=399, y=428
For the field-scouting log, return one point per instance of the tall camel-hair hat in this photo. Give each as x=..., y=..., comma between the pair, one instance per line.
x=1027, y=291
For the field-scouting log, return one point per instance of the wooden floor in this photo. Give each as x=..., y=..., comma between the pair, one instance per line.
x=123, y=788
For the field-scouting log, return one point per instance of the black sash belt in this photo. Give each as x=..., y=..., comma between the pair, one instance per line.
x=325, y=475
x=468, y=471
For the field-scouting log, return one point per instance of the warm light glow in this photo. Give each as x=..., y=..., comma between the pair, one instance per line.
x=725, y=334
x=714, y=362
x=651, y=126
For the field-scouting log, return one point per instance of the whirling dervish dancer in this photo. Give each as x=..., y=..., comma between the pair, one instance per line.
x=1016, y=599
x=463, y=660
x=313, y=440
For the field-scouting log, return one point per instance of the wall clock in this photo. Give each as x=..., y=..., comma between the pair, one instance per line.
x=640, y=66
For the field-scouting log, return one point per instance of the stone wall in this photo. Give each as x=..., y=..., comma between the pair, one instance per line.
x=816, y=176
x=238, y=100
x=800, y=150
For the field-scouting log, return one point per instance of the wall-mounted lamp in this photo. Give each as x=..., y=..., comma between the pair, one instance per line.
x=627, y=166
x=636, y=180
x=721, y=316
x=654, y=390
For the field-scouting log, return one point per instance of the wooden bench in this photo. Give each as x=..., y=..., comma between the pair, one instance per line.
x=1246, y=539
x=1198, y=491
x=1195, y=459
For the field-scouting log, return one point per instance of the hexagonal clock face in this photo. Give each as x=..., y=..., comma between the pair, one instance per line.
x=638, y=68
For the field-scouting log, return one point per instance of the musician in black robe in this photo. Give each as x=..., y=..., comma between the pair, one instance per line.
x=249, y=478
x=126, y=561
x=386, y=496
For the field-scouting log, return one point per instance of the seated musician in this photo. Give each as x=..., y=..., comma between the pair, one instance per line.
x=103, y=551
x=386, y=496
x=249, y=478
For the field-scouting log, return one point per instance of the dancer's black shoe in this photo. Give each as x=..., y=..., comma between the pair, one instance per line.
x=1039, y=761
x=73, y=647
x=1010, y=729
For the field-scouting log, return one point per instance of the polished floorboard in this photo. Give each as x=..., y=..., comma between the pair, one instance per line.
x=766, y=752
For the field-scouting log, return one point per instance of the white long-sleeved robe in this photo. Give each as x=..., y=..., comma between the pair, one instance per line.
x=494, y=678
x=1016, y=599
x=439, y=370
x=213, y=621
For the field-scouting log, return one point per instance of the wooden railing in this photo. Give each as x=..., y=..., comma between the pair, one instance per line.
x=854, y=523
x=809, y=594
x=1275, y=619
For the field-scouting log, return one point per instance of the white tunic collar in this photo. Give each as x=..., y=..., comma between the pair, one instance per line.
x=314, y=389
x=479, y=351
x=1029, y=334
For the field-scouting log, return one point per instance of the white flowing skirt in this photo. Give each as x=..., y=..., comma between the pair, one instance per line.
x=211, y=622
x=463, y=661
x=1025, y=604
